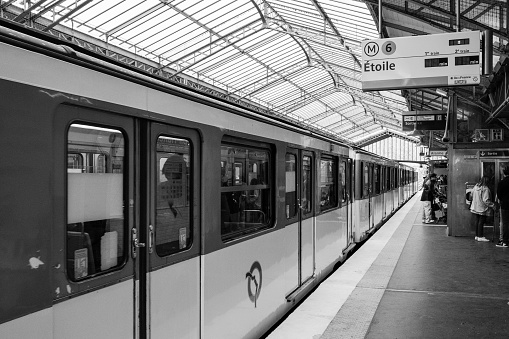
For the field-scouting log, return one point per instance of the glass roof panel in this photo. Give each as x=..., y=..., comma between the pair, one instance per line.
x=296, y=58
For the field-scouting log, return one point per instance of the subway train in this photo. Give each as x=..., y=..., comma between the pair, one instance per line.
x=132, y=207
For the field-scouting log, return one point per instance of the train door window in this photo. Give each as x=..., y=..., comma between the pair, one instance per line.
x=307, y=182
x=376, y=179
x=291, y=185
x=387, y=178
x=95, y=200
x=328, y=183
x=342, y=177
x=173, y=227
x=350, y=181
x=246, y=190
x=365, y=179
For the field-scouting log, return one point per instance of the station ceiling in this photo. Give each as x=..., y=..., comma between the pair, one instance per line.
x=298, y=60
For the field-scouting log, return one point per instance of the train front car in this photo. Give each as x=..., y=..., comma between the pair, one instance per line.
x=138, y=209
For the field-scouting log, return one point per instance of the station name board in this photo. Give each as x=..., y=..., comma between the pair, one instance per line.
x=437, y=60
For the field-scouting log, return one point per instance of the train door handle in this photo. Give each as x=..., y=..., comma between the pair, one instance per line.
x=135, y=243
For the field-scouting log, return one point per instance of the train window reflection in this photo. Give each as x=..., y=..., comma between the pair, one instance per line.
x=246, y=190
x=342, y=176
x=95, y=195
x=307, y=182
x=291, y=185
x=173, y=217
x=328, y=184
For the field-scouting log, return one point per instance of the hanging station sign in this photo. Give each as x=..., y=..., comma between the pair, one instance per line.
x=438, y=153
x=436, y=60
x=494, y=154
x=423, y=120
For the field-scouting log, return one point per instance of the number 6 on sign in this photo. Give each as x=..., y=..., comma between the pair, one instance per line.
x=389, y=47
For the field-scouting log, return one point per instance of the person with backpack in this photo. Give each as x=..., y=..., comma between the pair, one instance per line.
x=481, y=202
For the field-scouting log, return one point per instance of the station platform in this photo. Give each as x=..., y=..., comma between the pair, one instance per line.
x=409, y=280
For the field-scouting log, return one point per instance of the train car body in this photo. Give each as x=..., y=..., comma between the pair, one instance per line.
x=132, y=208
x=377, y=192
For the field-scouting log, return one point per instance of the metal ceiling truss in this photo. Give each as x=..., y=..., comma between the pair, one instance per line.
x=272, y=80
x=336, y=32
x=328, y=112
x=384, y=135
x=270, y=19
x=305, y=99
x=271, y=14
x=445, y=20
x=67, y=15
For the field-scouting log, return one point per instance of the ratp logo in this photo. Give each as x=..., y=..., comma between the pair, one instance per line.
x=371, y=49
x=254, y=280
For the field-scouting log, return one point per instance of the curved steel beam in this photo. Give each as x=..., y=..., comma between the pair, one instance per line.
x=259, y=12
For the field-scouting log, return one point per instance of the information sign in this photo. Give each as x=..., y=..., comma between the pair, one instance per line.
x=442, y=153
x=423, y=120
x=437, y=60
x=494, y=154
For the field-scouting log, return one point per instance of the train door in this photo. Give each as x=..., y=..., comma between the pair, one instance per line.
x=306, y=220
x=493, y=168
x=95, y=176
x=299, y=206
x=371, y=202
x=170, y=218
x=350, y=176
x=346, y=172
x=383, y=189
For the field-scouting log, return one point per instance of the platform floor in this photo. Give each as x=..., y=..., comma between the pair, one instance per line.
x=410, y=280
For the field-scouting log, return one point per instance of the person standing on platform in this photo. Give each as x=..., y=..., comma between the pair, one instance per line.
x=427, y=198
x=503, y=198
x=481, y=202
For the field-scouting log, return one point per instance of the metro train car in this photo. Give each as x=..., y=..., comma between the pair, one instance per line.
x=381, y=186
x=132, y=207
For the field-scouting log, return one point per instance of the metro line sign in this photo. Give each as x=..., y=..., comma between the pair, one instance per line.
x=438, y=60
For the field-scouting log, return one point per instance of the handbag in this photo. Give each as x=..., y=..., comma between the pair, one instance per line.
x=435, y=206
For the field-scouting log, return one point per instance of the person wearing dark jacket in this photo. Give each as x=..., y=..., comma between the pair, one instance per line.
x=427, y=198
x=503, y=198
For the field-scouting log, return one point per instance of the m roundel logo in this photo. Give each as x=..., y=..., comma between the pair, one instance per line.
x=254, y=282
x=371, y=49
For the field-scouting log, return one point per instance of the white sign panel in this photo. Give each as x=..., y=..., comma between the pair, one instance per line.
x=438, y=60
x=438, y=153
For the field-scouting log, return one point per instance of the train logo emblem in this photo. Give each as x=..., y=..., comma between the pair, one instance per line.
x=254, y=280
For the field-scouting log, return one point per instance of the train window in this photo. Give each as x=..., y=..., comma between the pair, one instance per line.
x=307, y=184
x=173, y=229
x=328, y=184
x=75, y=162
x=342, y=176
x=291, y=185
x=388, y=177
x=376, y=179
x=95, y=201
x=245, y=190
